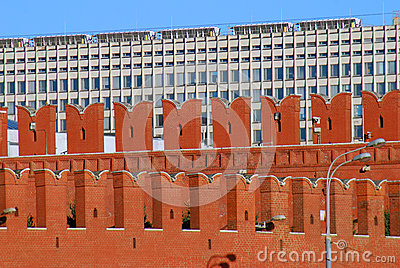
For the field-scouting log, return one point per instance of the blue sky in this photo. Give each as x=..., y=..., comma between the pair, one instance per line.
x=24, y=17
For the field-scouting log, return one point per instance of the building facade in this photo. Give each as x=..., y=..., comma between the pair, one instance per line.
x=323, y=57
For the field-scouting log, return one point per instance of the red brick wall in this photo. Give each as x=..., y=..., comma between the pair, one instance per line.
x=3, y=131
x=285, y=130
x=133, y=126
x=35, y=142
x=335, y=116
x=129, y=243
x=381, y=116
x=85, y=128
x=182, y=125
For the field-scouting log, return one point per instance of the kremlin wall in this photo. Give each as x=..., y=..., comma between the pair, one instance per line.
x=192, y=207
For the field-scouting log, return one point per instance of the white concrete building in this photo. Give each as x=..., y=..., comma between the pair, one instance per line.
x=279, y=59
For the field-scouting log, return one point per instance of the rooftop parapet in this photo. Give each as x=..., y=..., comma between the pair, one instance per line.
x=61, y=40
x=262, y=28
x=12, y=42
x=124, y=36
x=189, y=32
x=311, y=25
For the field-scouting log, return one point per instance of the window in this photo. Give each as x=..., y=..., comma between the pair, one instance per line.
x=312, y=71
x=234, y=76
x=95, y=83
x=107, y=123
x=224, y=94
x=148, y=80
x=180, y=97
x=53, y=85
x=381, y=88
x=303, y=113
x=301, y=72
x=11, y=108
x=289, y=73
x=369, y=86
x=391, y=67
x=346, y=69
x=203, y=97
x=127, y=81
x=213, y=77
x=128, y=99
x=346, y=88
x=302, y=92
x=312, y=89
x=95, y=100
x=223, y=76
x=62, y=105
x=84, y=83
x=334, y=90
x=268, y=92
x=279, y=73
x=256, y=75
x=116, y=82
x=380, y=67
x=159, y=80
x=256, y=95
x=290, y=91
x=279, y=93
x=42, y=86
x=32, y=104
x=107, y=103
x=85, y=102
x=369, y=68
x=159, y=120
x=234, y=94
x=323, y=90
x=170, y=79
x=74, y=85
x=257, y=115
x=357, y=69
x=246, y=93
x=105, y=82
x=268, y=74
x=180, y=79
x=11, y=87
x=358, y=132
x=21, y=87
x=303, y=132
x=357, y=90
x=31, y=87
x=137, y=81
x=323, y=71
x=245, y=75
x=158, y=100
x=137, y=99
x=392, y=86
x=335, y=70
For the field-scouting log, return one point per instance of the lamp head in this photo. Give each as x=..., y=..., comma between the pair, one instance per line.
x=278, y=218
x=364, y=157
x=8, y=211
x=378, y=143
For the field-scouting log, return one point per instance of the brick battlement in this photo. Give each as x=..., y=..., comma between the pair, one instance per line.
x=304, y=161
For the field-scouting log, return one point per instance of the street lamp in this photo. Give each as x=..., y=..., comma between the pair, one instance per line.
x=378, y=143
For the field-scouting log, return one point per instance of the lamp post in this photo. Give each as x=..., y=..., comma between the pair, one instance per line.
x=378, y=143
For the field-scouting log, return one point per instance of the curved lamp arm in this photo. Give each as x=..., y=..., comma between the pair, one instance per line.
x=343, y=154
